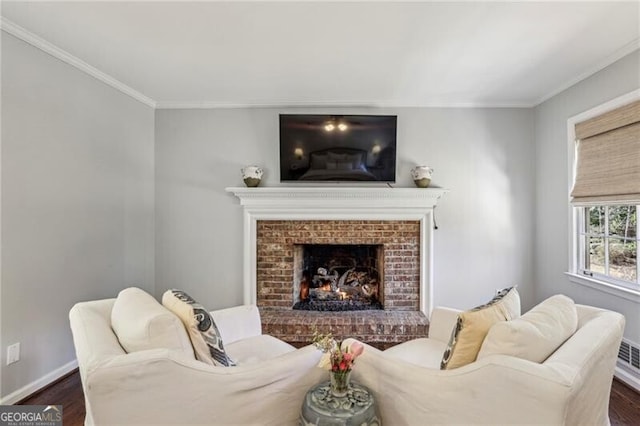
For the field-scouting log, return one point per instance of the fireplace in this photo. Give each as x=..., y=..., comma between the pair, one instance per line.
x=345, y=265
x=338, y=277
x=280, y=221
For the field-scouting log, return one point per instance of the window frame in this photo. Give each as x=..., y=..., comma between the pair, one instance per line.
x=583, y=231
x=576, y=217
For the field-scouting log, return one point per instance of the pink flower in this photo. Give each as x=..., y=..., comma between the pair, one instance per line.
x=335, y=358
x=356, y=348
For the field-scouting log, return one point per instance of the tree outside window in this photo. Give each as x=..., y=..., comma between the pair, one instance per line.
x=609, y=238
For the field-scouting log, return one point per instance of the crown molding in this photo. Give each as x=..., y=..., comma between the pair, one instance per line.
x=599, y=66
x=283, y=104
x=58, y=53
x=342, y=104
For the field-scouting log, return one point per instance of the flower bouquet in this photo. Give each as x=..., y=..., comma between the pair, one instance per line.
x=337, y=360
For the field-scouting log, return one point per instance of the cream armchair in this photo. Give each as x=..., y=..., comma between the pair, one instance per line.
x=571, y=387
x=168, y=386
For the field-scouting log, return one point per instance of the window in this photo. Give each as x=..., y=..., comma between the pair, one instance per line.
x=608, y=244
x=604, y=148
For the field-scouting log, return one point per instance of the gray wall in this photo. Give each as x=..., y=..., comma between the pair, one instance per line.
x=77, y=203
x=484, y=156
x=552, y=180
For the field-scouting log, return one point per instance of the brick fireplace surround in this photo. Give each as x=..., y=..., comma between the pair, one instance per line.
x=398, y=219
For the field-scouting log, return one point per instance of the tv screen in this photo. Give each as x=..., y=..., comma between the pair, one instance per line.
x=337, y=148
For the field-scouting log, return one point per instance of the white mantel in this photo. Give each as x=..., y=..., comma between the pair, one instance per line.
x=339, y=203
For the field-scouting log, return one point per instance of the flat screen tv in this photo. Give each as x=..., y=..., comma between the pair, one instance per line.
x=334, y=148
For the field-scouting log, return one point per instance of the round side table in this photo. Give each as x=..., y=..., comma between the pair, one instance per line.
x=321, y=408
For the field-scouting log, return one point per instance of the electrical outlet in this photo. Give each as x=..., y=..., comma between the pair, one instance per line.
x=13, y=353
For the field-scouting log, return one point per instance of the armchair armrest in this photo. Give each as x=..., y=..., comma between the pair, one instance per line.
x=92, y=335
x=237, y=323
x=442, y=322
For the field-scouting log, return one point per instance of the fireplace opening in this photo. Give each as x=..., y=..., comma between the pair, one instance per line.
x=338, y=277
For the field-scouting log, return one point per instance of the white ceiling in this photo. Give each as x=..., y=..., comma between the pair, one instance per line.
x=337, y=53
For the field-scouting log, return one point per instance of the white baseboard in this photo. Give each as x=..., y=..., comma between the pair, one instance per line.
x=627, y=377
x=34, y=386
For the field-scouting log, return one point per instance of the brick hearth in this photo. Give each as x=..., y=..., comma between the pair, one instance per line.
x=380, y=328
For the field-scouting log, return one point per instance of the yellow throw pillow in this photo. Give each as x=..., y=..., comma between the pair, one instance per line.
x=472, y=327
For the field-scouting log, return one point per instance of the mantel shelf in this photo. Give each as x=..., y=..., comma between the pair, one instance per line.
x=319, y=197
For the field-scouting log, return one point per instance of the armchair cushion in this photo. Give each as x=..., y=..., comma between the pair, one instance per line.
x=237, y=323
x=205, y=337
x=256, y=349
x=141, y=323
x=536, y=334
x=442, y=322
x=425, y=353
x=472, y=327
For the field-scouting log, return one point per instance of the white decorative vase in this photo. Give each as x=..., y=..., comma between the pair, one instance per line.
x=252, y=175
x=421, y=176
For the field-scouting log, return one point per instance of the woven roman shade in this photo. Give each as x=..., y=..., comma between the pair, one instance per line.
x=608, y=158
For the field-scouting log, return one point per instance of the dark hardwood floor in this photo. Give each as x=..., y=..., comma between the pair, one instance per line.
x=624, y=406
x=66, y=392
